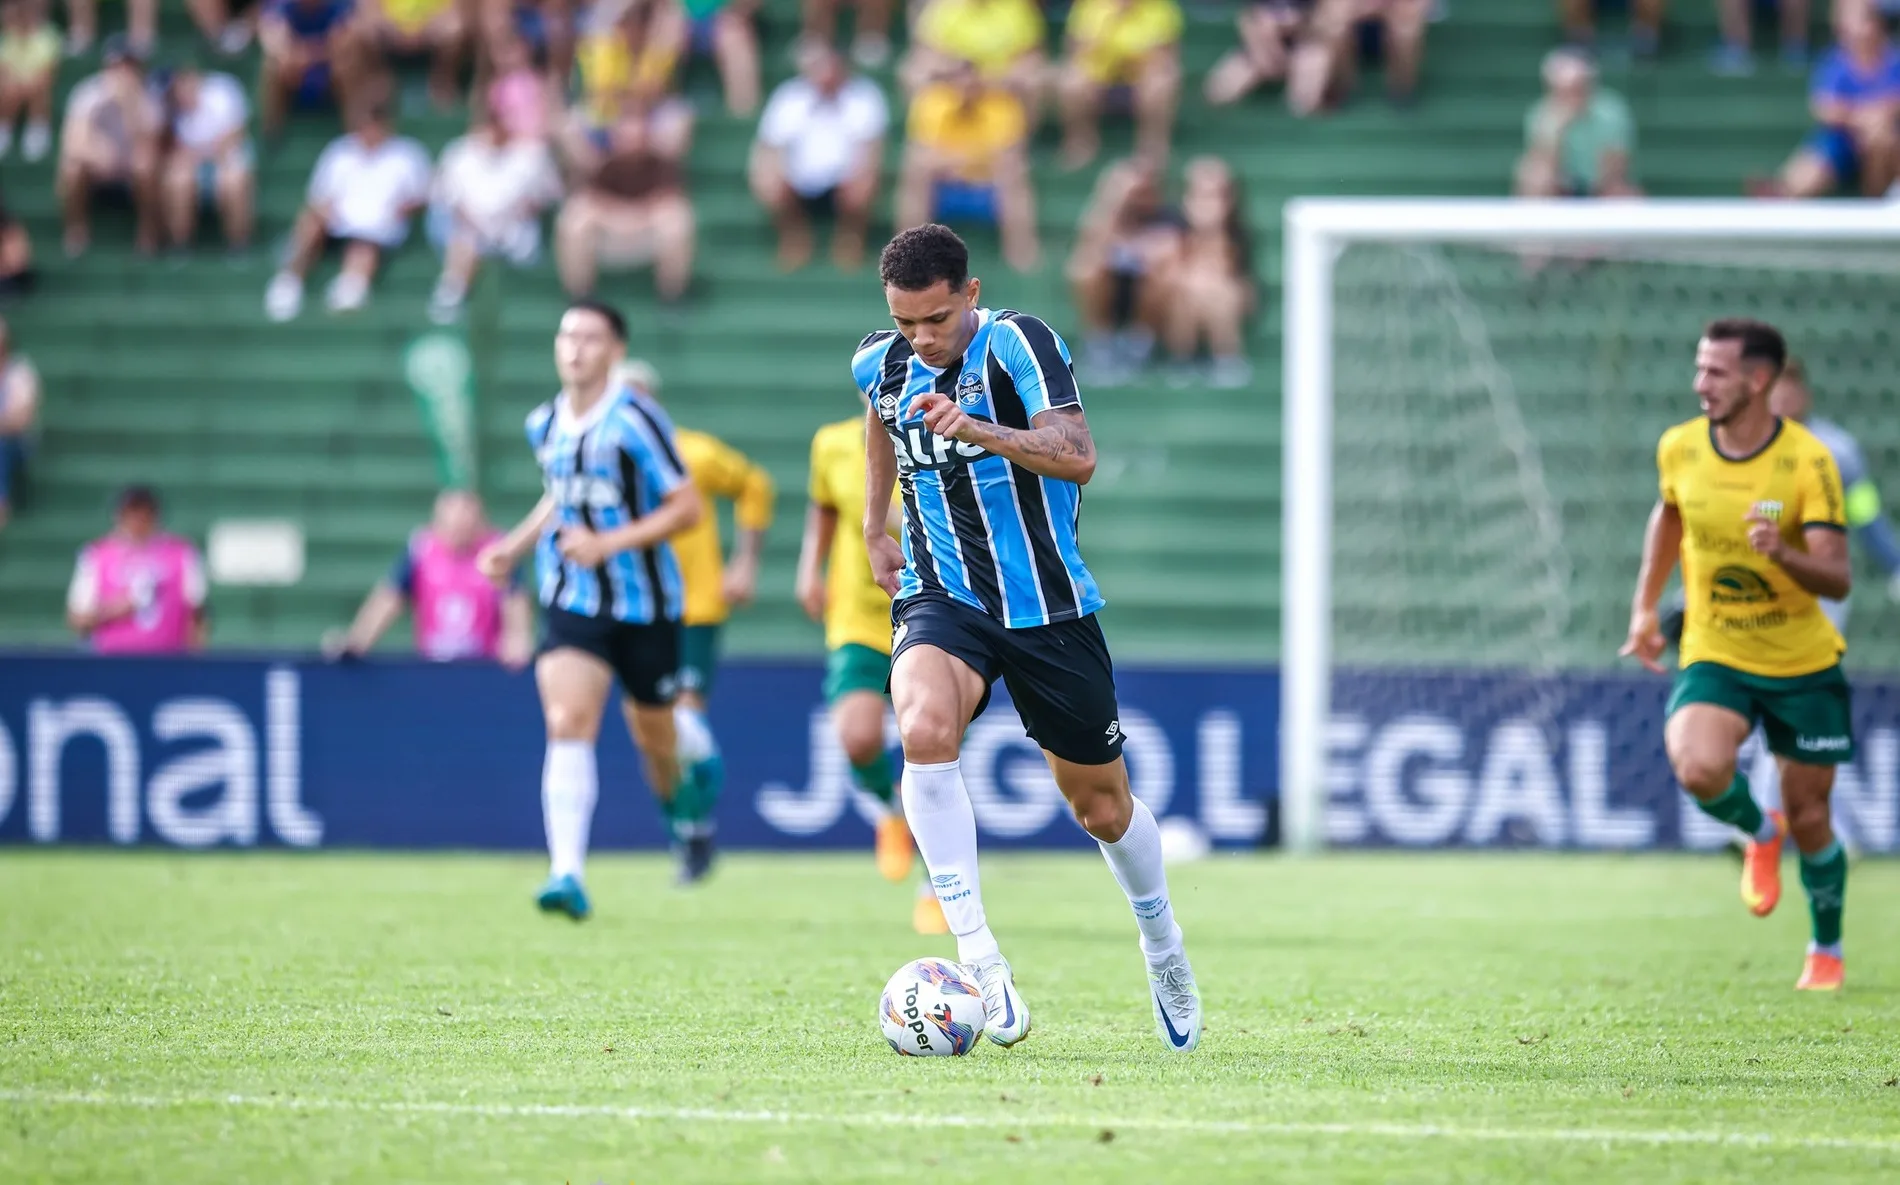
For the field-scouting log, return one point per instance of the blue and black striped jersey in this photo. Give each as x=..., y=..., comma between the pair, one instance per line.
x=604, y=470
x=978, y=527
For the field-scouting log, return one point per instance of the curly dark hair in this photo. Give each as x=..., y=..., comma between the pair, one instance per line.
x=919, y=257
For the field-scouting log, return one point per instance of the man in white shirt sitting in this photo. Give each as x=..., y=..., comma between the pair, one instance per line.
x=490, y=192
x=210, y=156
x=820, y=142
x=366, y=187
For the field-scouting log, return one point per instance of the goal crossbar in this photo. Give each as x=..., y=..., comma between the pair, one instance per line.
x=1316, y=230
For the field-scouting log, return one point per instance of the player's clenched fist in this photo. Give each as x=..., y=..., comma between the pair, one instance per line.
x=1645, y=642
x=887, y=560
x=495, y=563
x=1764, y=535
x=942, y=415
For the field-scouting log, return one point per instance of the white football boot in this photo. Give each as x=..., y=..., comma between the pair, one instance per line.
x=1006, y=1016
x=1177, y=1002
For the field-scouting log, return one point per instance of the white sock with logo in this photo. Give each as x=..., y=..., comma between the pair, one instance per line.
x=944, y=826
x=567, y=804
x=1135, y=859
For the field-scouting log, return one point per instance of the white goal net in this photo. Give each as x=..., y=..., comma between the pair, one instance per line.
x=1473, y=394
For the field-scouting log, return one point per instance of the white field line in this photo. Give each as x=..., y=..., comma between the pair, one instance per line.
x=1237, y=1127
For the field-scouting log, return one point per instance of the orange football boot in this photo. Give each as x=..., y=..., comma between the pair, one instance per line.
x=1761, y=869
x=1823, y=973
x=926, y=917
x=895, y=851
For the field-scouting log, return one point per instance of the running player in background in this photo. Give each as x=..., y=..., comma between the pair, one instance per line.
x=977, y=411
x=835, y=587
x=713, y=586
x=609, y=583
x=1793, y=399
x=460, y=614
x=1751, y=506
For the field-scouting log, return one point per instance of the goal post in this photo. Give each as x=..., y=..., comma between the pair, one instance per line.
x=1416, y=318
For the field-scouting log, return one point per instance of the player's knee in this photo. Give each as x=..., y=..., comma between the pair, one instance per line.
x=1103, y=812
x=862, y=745
x=930, y=733
x=567, y=723
x=1810, y=822
x=1702, y=775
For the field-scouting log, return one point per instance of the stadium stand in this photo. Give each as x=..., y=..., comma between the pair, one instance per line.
x=166, y=370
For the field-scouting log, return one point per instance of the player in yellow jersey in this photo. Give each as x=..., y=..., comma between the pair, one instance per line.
x=714, y=585
x=835, y=587
x=1751, y=506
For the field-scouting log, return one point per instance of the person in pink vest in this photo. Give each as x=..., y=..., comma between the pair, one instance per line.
x=139, y=590
x=460, y=614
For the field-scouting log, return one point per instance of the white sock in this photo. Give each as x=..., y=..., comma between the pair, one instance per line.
x=567, y=804
x=1135, y=859
x=944, y=825
x=695, y=737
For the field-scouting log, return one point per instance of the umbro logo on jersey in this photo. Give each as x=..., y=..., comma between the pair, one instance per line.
x=1113, y=732
x=888, y=403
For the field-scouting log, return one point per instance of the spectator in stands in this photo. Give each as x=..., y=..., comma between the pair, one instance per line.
x=219, y=27
x=1269, y=32
x=490, y=192
x=29, y=59
x=630, y=207
x=1214, y=288
x=366, y=187
x=210, y=156
x=633, y=48
x=1122, y=272
x=1004, y=38
x=1578, y=138
x=435, y=29
x=1125, y=55
x=727, y=32
x=16, y=255
x=82, y=26
x=1735, y=55
x=138, y=590
x=460, y=614
x=19, y=417
x=967, y=159
x=819, y=147
x=545, y=26
x=109, y=141
x=871, y=29
x=311, y=55
x=518, y=94
x=1855, y=100
x=1580, y=25
x=1325, y=66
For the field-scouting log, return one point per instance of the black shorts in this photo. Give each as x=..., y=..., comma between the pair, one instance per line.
x=645, y=658
x=1059, y=676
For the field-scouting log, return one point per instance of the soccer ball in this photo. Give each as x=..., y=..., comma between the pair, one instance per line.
x=930, y=1008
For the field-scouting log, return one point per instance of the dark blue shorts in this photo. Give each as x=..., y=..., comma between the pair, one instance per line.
x=1836, y=147
x=961, y=201
x=1059, y=676
x=644, y=657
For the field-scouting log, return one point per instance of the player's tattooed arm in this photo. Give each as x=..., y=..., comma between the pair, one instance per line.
x=1057, y=444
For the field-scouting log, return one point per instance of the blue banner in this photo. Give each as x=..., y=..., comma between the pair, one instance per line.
x=196, y=753
x=206, y=752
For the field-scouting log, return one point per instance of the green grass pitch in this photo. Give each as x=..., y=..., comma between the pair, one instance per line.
x=249, y=1018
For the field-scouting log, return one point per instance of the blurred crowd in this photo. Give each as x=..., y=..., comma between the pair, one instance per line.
x=578, y=134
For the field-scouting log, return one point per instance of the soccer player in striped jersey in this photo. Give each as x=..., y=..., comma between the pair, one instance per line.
x=975, y=412
x=609, y=584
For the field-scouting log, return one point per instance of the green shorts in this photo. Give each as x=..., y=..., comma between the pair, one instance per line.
x=699, y=658
x=1807, y=718
x=852, y=667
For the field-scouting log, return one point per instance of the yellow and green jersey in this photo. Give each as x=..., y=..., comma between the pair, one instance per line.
x=857, y=610
x=718, y=471
x=1741, y=609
